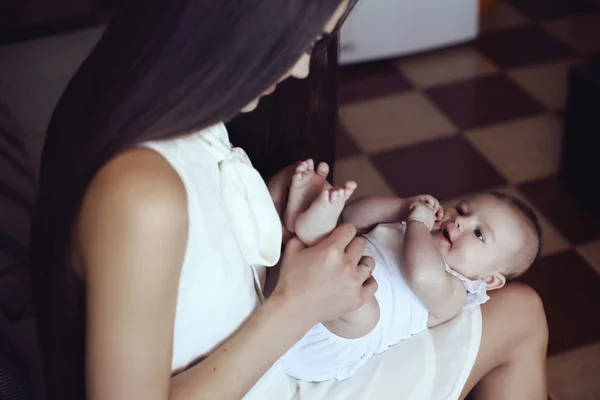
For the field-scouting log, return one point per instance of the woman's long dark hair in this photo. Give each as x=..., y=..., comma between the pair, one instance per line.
x=162, y=69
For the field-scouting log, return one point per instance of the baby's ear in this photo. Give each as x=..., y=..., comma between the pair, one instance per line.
x=495, y=281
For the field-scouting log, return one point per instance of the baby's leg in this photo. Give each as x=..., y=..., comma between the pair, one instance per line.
x=306, y=186
x=323, y=214
x=357, y=323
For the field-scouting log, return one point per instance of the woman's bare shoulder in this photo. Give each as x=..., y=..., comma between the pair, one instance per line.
x=133, y=201
x=138, y=176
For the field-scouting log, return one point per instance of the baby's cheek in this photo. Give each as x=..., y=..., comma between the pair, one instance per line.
x=462, y=253
x=474, y=257
x=451, y=256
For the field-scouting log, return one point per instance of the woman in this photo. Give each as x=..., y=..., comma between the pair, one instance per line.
x=143, y=283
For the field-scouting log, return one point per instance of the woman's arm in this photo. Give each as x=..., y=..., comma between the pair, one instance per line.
x=232, y=370
x=131, y=240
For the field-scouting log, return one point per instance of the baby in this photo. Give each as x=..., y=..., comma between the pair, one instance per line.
x=430, y=265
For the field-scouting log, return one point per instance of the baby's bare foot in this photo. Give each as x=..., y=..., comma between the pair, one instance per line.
x=306, y=186
x=322, y=216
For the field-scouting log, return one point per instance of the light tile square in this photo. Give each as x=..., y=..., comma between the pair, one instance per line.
x=546, y=82
x=360, y=170
x=581, y=33
x=591, y=253
x=446, y=66
x=394, y=121
x=522, y=150
x=553, y=242
x=502, y=16
x=574, y=375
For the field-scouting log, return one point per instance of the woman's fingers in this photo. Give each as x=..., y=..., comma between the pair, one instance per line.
x=341, y=236
x=369, y=288
x=356, y=248
x=293, y=246
x=365, y=268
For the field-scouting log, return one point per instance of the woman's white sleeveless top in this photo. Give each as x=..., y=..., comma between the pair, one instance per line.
x=234, y=232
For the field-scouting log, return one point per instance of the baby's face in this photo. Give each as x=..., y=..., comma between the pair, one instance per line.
x=480, y=236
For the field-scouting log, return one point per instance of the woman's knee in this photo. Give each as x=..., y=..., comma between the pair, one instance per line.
x=527, y=311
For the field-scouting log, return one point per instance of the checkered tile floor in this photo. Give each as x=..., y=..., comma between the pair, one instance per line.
x=488, y=115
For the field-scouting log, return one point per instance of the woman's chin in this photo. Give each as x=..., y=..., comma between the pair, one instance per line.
x=270, y=90
x=250, y=106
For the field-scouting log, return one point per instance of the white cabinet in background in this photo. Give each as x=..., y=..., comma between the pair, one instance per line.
x=379, y=29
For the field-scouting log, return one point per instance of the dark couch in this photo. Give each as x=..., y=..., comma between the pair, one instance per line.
x=20, y=376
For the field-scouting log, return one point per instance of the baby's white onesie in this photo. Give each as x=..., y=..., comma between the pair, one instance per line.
x=322, y=355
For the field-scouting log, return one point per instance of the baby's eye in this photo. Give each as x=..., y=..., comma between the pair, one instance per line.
x=460, y=211
x=479, y=234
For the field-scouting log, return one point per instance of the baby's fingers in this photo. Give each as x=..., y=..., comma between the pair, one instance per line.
x=430, y=201
x=440, y=213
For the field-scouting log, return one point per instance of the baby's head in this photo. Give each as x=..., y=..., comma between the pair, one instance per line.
x=489, y=236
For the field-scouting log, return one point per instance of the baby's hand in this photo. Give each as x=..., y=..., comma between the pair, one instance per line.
x=438, y=210
x=422, y=212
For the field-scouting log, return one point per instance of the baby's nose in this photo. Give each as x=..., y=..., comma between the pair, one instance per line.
x=458, y=222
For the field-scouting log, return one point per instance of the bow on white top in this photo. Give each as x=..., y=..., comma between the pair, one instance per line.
x=476, y=290
x=251, y=210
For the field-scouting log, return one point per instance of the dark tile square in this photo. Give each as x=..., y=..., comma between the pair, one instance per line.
x=345, y=145
x=550, y=9
x=570, y=290
x=522, y=46
x=483, y=101
x=594, y=56
x=554, y=201
x=560, y=114
x=366, y=81
x=445, y=168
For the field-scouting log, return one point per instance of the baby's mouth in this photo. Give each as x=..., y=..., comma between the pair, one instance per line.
x=446, y=234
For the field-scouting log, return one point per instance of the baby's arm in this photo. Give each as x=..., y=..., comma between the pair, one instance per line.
x=425, y=270
x=366, y=212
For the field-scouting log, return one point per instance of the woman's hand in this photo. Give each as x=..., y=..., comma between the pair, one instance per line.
x=324, y=282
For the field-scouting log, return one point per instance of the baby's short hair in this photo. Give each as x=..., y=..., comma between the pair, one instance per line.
x=533, y=248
